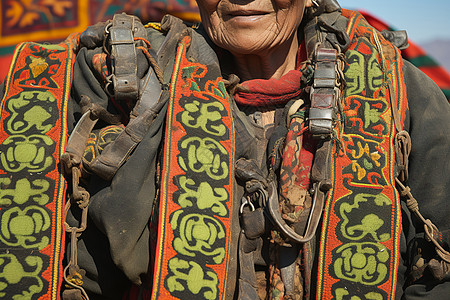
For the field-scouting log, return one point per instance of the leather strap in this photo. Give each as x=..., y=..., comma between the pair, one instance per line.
x=398, y=38
x=115, y=154
x=247, y=277
x=288, y=262
x=151, y=93
x=324, y=6
x=323, y=95
x=79, y=137
x=321, y=168
x=314, y=217
x=123, y=57
x=152, y=98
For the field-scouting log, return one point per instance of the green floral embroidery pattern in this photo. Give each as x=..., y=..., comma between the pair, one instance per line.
x=204, y=116
x=30, y=109
x=30, y=141
x=362, y=262
x=24, y=227
x=364, y=72
x=205, y=196
x=12, y=272
x=190, y=276
x=200, y=235
x=32, y=153
x=204, y=155
x=370, y=225
x=343, y=294
x=24, y=190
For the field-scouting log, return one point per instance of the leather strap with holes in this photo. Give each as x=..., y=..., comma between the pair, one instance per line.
x=123, y=56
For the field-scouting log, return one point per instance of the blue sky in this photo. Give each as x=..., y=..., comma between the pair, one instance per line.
x=424, y=20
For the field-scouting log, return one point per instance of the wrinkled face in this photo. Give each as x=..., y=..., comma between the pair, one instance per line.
x=251, y=26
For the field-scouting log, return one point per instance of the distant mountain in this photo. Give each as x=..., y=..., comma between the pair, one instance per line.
x=439, y=50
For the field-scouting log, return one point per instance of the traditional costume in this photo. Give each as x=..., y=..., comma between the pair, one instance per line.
x=184, y=182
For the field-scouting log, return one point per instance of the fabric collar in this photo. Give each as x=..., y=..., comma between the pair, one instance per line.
x=272, y=92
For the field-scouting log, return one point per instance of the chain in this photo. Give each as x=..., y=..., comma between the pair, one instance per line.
x=73, y=274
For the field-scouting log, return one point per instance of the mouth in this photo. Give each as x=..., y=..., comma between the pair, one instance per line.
x=245, y=15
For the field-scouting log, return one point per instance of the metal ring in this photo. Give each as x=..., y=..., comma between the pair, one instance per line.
x=107, y=28
x=109, y=84
x=293, y=109
x=244, y=203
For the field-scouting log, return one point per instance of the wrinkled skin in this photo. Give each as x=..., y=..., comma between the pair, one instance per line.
x=260, y=34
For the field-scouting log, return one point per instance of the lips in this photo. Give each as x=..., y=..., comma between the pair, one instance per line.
x=245, y=16
x=247, y=13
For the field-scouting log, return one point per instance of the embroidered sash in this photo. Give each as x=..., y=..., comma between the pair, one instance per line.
x=197, y=186
x=33, y=134
x=362, y=220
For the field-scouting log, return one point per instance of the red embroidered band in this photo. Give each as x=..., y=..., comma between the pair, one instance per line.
x=362, y=221
x=33, y=134
x=197, y=186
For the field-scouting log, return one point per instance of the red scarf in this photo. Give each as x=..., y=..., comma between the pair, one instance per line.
x=272, y=92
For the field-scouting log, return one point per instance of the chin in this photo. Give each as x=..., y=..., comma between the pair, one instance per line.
x=248, y=50
x=248, y=45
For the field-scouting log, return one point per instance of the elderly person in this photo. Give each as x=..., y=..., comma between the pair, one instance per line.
x=265, y=153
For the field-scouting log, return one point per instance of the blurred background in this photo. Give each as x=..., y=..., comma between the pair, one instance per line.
x=426, y=22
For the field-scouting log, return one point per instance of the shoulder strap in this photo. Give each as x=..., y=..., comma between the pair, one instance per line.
x=122, y=32
x=153, y=98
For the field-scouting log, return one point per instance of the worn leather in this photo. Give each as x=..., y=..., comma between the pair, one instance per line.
x=398, y=38
x=123, y=57
x=324, y=6
x=247, y=277
x=152, y=97
x=323, y=95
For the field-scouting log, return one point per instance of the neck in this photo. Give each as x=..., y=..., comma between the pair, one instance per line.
x=273, y=63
